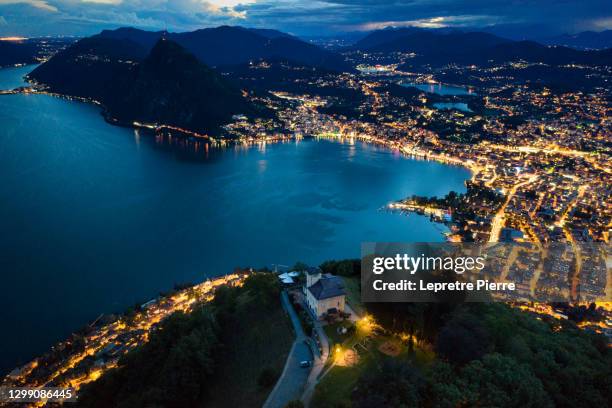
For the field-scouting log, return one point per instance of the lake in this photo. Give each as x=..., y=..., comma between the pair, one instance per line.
x=440, y=89
x=95, y=217
x=11, y=78
x=463, y=107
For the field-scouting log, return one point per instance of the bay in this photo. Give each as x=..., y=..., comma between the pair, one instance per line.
x=95, y=217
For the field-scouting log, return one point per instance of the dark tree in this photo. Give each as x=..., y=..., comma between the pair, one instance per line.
x=463, y=339
x=397, y=384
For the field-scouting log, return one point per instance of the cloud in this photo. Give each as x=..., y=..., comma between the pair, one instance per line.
x=604, y=23
x=115, y=2
x=40, y=4
x=433, y=22
x=312, y=17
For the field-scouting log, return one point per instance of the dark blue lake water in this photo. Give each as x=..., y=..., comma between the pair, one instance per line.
x=96, y=217
x=452, y=105
x=13, y=77
x=440, y=89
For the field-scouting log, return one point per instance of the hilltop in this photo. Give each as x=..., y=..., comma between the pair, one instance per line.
x=480, y=48
x=167, y=85
x=227, y=45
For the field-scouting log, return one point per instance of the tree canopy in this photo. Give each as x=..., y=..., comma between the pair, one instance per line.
x=490, y=355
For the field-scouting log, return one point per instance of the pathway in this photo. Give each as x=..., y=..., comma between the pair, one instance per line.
x=291, y=382
x=318, y=365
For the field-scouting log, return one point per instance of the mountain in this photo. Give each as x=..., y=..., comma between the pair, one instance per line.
x=432, y=43
x=145, y=39
x=172, y=87
x=30, y=50
x=584, y=40
x=554, y=55
x=90, y=67
x=167, y=86
x=270, y=33
x=439, y=48
x=17, y=52
x=386, y=35
x=227, y=45
x=587, y=40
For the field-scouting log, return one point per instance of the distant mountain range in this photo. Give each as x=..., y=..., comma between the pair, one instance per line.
x=166, y=78
x=29, y=51
x=167, y=85
x=227, y=45
x=427, y=41
x=585, y=40
x=13, y=52
x=549, y=35
x=452, y=46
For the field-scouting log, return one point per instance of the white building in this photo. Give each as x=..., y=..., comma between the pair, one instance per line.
x=324, y=292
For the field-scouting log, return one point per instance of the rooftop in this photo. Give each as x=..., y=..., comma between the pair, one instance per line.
x=313, y=270
x=327, y=287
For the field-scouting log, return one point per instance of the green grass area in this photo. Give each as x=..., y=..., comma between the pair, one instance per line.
x=360, y=331
x=336, y=387
x=261, y=340
x=331, y=330
x=353, y=294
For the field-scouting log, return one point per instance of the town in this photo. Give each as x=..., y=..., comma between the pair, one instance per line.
x=86, y=355
x=540, y=158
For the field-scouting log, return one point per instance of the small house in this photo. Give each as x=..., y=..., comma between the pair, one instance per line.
x=324, y=292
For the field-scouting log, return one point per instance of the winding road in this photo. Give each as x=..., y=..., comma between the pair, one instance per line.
x=290, y=384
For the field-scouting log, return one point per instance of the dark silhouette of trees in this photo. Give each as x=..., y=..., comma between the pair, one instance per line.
x=171, y=370
x=489, y=355
x=396, y=384
x=463, y=339
x=267, y=377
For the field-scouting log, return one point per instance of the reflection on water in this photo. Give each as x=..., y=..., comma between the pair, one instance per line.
x=452, y=105
x=203, y=150
x=96, y=217
x=183, y=147
x=440, y=89
x=13, y=77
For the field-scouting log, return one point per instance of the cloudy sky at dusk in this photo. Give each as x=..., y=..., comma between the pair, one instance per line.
x=309, y=17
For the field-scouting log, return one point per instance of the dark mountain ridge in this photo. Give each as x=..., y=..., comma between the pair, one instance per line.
x=226, y=45
x=12, y=52
x=584, y=40
x=172, y=87
x=426, y=41
x=29, y=50
x=166, y=86
x=90, y=67
x=438, y=48
x=386, y=35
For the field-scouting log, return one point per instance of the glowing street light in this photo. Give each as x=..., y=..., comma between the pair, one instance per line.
x=339, y=357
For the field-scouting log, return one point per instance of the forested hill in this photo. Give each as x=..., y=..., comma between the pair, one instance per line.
x=227, y=353
x=168, y=86
x=480, y=48
x=227, y=45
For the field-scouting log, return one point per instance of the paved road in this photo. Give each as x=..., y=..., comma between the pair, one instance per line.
x=291, y=383
x=319, y=363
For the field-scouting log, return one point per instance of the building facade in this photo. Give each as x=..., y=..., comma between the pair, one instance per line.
x=324, y=293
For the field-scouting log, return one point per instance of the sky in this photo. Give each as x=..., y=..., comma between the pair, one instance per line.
x=515, y=18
